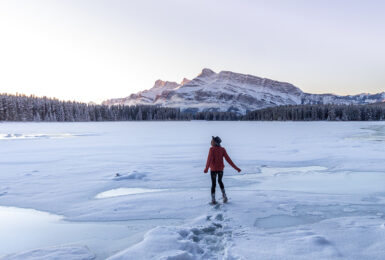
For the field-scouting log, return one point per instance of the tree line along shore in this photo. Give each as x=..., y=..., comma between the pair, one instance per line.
x=37, y=109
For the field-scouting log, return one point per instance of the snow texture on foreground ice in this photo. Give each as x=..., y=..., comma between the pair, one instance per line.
x=26, y=229
x=59, y=252
x=307, y=190
x=123, y=191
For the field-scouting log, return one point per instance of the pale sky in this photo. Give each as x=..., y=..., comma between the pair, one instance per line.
x=95, y=50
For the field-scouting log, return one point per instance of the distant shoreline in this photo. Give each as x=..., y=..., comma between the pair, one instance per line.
x=21, y=108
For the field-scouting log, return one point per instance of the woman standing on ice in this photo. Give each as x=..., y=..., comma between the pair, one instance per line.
x=215, y=163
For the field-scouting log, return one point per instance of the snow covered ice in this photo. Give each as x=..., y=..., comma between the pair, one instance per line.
x=123, y=191
x=136, y=190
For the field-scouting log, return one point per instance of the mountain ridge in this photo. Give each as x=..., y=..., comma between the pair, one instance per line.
x=229, y=91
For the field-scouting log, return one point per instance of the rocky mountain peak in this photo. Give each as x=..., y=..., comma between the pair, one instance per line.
x=165, y=84
x=206, y=73
x=185, y=81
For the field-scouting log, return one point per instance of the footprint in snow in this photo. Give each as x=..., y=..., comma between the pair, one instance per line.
x=212, y=239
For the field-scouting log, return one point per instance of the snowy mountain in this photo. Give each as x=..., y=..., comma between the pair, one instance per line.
x=235, y=92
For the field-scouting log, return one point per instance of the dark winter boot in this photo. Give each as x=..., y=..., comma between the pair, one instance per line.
x=224, y=196
x=213, y=201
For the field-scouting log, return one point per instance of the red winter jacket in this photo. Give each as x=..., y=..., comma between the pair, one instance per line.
x=215, y=159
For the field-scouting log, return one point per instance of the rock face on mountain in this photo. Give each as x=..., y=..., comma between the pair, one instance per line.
x=233, y=92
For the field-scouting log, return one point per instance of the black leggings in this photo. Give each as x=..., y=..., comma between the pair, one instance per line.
x=214, y=178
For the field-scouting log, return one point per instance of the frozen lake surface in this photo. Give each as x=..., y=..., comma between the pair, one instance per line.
x=136, y=190
x=23, y=229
